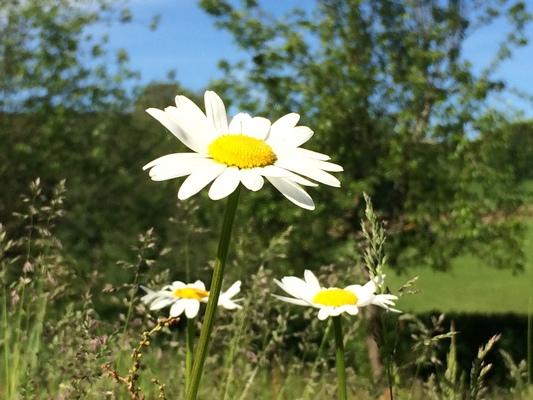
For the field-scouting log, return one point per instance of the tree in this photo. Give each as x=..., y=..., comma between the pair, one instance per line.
x=508, y=146
x=386, y=88
x=65, y=113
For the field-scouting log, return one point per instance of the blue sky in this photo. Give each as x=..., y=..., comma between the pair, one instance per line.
x=188, y=42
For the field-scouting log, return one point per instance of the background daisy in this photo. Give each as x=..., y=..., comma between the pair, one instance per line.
x=332, y=301
x=186, y=298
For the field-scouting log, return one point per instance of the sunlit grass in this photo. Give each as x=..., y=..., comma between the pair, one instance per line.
x=471, y=286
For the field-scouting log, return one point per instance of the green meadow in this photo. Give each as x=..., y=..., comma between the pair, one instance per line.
x=470, y=286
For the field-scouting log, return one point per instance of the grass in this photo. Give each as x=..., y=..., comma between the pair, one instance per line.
x=471, y=286
x=264, y=351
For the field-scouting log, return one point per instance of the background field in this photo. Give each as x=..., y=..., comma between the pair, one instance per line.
x=470, y=286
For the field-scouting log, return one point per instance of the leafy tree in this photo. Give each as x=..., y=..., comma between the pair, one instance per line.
x=47, y=83
x=65, y=113
x=388, y=91
x=508, y=147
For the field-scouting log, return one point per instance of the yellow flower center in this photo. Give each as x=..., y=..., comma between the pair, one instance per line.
x=241, y=151
x=335, y=297
x=190, y=293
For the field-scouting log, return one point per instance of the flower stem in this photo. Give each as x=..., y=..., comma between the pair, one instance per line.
x=339, y=356
x=190, y=348
x=214, y=293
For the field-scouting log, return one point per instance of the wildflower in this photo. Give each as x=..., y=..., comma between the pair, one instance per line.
x=246, y=151
x=332, y=301
x=187, y=297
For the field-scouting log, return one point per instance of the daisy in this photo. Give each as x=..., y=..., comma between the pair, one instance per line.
x=332, y=301
x=187, y=297
x=245, y=150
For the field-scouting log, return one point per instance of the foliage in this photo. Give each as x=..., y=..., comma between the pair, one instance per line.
x=50, y=60
x=509, y=147
x=65, y=113
x=387, y=88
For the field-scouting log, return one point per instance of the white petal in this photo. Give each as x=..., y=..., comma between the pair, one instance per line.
x=308, y=170
x=323, y=313
x=161, y=303
x=228, y=304
x=386, y=301
x=353, y=288
x=200, y=179
x=173, y=126
x=293, y=192
x=370, y=286
x=174, y=157
x=352, y=310
x=336, y=311
x=290, y=139
x=300, y=180
x=196, y=128
x=311, y=280
x=326, y=166
x=238, y=122
x=364, y=298
x=171, y=168
x=149, y=296
x=251, y=179
x=178, y=285
x=225, y=183
x=291, y=300
x=278, y=172
x=177, y=308
x=297, y=288
x=191, y=308
x=257, y=127
x=387, y=297
x=279, y=127
x=273, y=171
x=216, y=111
x=233, y=290
x=198, y=285
x=192, y=120
x=298, y=136
x=294, y=286
x=310, y=154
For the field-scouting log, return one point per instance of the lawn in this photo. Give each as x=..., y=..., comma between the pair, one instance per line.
x=471, y=286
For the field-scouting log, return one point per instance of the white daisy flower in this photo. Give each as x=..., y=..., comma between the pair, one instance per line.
x=332, y=301
x=187, y=297
x=246, y=151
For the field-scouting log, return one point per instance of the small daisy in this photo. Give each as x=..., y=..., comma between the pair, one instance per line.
x=187, y=297
x=246, y=151
x=332, y=301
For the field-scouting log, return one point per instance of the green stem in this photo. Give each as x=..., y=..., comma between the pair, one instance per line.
x=7, y=340
x=214, y=293
x=339, y=356
x=190, y=348
x=529, y=342
x=132, y=298
x=317, y=359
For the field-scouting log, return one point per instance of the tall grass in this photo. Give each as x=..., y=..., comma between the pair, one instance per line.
x=53, y=343
x=26, y=271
